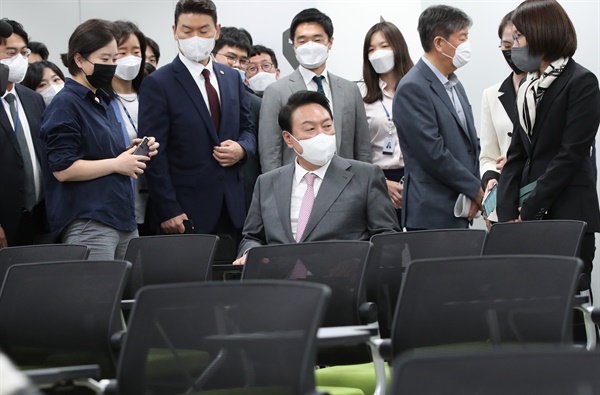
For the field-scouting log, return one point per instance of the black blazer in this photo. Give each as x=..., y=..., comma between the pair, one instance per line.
x=12, y=174
x=558, y=156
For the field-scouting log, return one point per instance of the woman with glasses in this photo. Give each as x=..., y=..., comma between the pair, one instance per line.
x=498, y=114
x=262, y=69
x=385, y=61
x=548, y=173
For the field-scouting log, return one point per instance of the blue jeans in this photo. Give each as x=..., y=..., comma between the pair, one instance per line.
x=105, y=242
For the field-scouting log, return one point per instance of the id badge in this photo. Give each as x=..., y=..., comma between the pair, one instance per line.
x=388, y=145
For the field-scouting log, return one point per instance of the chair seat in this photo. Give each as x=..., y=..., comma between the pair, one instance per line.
x=277, y=391
x=360, y=376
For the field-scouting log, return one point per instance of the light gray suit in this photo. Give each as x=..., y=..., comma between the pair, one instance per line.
x=441, y=156
x=352, y=204
x=349, y=119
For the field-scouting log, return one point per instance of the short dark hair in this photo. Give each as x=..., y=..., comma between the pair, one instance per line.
x=248, y=35
x=440, y=20
x=39, y=48
x=506, y=20
x=125, y=30
x=35, y=73
x=547, y=27
x=88, y=37
x=18, y=29
x=260, y=49
x=299, y=99
x=312, y=15
x=402, y=61
x=150, y=43
x=232, y=37
x=206, y=7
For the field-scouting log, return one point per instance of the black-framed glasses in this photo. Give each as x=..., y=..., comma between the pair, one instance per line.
x=232, y=59
x=266, y=67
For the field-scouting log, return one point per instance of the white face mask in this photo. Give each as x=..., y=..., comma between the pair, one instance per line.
x=260, y=81
x=382, y=61
x=242, y=74
x=17, y=66
x=128, y=67
x=51, y=91
x=312, y=55
x=462, y=55
x=317, y=150
x=196, y=48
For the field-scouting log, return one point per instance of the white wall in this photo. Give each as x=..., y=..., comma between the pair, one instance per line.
x=53, y=21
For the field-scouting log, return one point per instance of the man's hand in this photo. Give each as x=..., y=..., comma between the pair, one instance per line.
x=228, y=153
x=500, y=162
x=3, y=241
x=395, y=191
x=174, y=225
x=241, y=260
x=476, y=207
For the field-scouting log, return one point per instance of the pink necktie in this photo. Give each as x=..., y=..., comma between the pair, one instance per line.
x=306, y=206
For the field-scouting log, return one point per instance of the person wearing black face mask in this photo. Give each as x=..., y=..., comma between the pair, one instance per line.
x=498, y=113
x=89, y=162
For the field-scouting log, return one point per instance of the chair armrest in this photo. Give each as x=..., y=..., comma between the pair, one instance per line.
x=368, y=312
x=62, y=374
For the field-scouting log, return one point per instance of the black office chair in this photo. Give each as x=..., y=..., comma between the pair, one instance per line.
x=59, y=314
x=170, y=259
x=498, y=372
x=392, y=252
x=491, y=300
x=548, y=237
x=251, y=337
x=40, y=253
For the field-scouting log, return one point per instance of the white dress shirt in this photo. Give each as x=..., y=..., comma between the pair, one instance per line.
x=25, y=124
x=380, y=128
x=195, y=70
x=299, y=187
x=311, y=85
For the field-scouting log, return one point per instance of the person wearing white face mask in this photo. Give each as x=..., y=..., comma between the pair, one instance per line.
x=199, y=109
x=320, y=196
x=45, y=78
x=22, y=208
x=124, y=101
x=311, y=33
x=262, y=70
x=435, y=127
x=385, y=61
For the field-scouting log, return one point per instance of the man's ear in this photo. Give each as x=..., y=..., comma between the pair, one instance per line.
x=330, y=43
x=287, y=137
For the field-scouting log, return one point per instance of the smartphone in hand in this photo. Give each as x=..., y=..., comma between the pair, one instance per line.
x=143, y=148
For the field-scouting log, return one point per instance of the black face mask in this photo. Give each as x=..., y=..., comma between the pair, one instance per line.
x=102, y=75
x=149, y=68
x=507, y=55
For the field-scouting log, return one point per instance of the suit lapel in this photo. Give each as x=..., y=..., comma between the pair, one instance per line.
x=8, y=130
x=296, y=82
x=336, y=179
x=33, y=118
x=188, y=83
x=508, y=98
x=282, y=185
x=464, y=102
x=338, y=99
x=226, y=111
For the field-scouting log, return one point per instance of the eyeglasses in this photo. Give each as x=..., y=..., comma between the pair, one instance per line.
x=516, y=38
x=25, y=52
x=232, y=59
x=266, y=67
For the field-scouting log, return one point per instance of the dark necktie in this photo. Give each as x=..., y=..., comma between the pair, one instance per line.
x=30, y=198
x=213, y=100
x=318, y=79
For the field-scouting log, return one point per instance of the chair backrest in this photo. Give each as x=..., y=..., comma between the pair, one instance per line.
x=391, y=253
x=170, y=259
x=498, y=372
x=40, y=253
x=62, y=313
x=257, y=336
x=548, y=237
x=491, y=299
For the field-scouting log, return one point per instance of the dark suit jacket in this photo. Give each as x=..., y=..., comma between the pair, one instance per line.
x=441, y=157
x=184, y=177
x=251, y=168
x=352, y=204
x=12, y=174
x=558, y=156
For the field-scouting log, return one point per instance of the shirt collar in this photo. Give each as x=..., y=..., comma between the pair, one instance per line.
x=301, y=171
x=382, y=86
x=196, y=68
x=84, y=92
x=447, y=82
x=307, y=75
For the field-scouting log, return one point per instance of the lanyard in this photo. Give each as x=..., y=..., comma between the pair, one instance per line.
x=127, y=113
x=387, y=114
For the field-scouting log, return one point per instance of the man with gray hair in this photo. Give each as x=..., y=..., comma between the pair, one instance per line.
x=435, y=127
